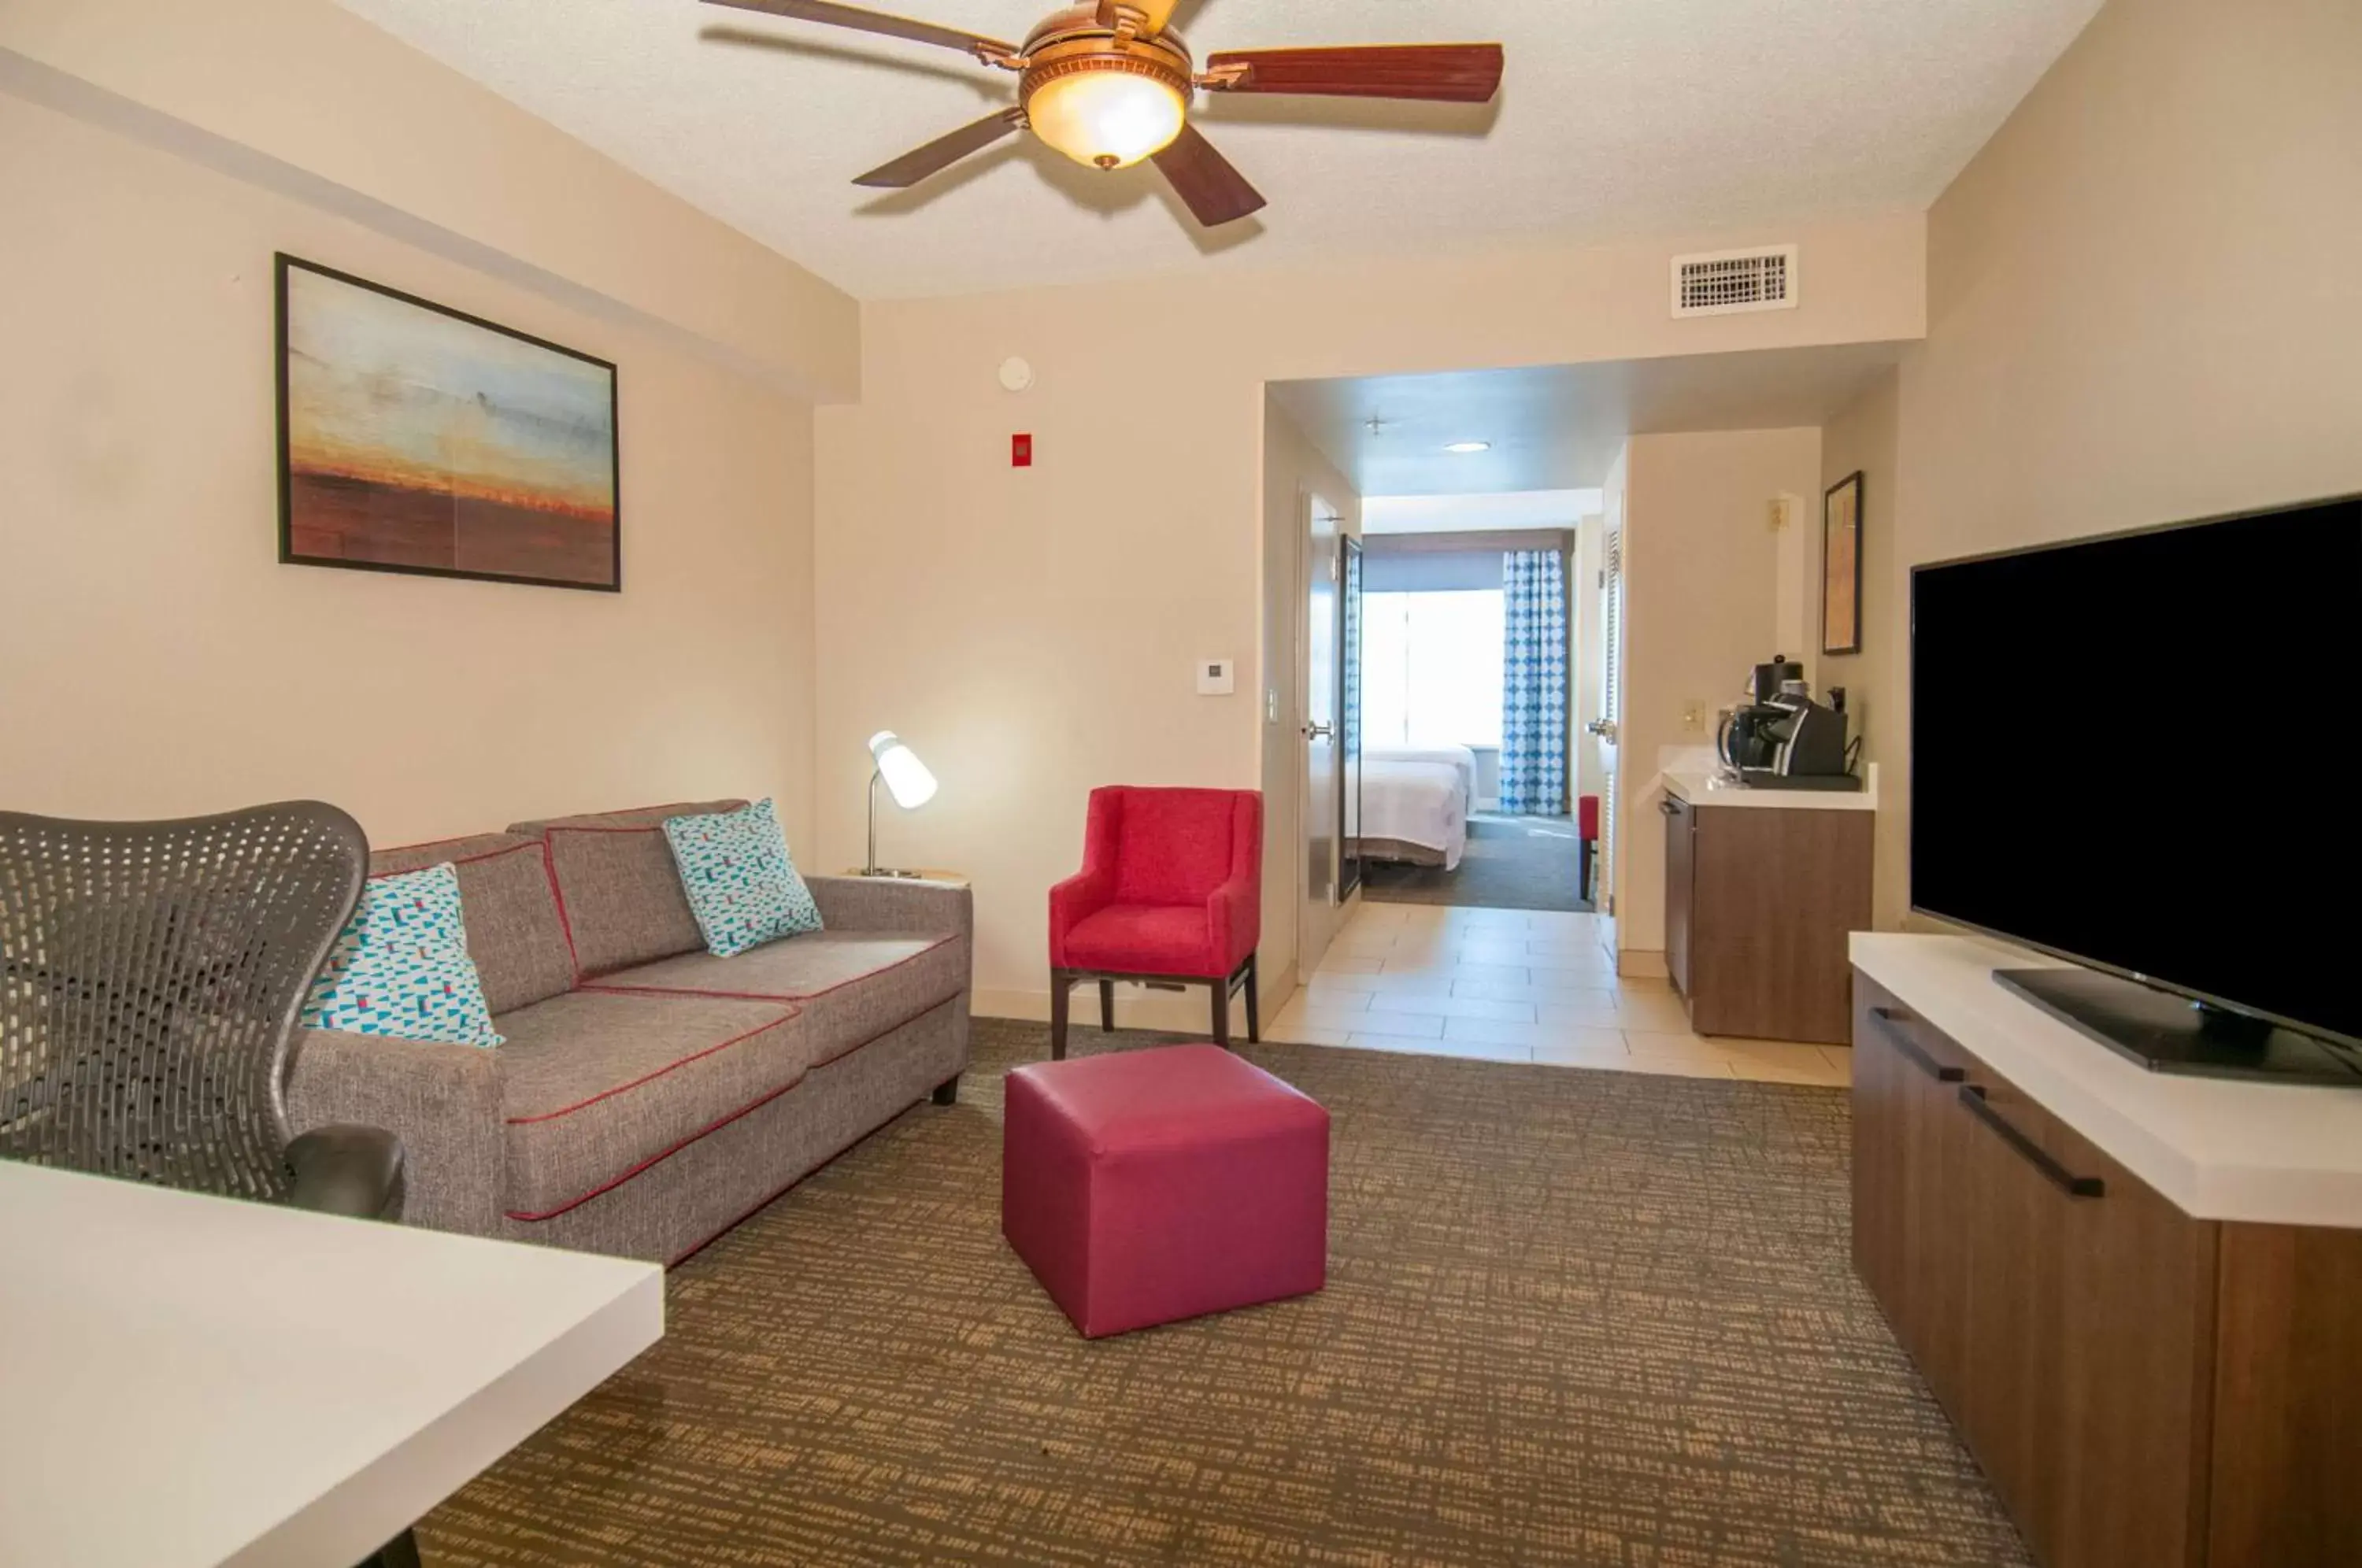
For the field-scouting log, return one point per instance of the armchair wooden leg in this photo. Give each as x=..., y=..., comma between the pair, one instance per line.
x=1255, y=1010
x=1222, y=1013
x=1107, y=1007
x=1062, y=984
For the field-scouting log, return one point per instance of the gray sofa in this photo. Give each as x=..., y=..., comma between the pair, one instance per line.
x=649, y=1095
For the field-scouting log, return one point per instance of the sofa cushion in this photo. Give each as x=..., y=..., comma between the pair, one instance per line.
x=399, y=967
x=618, y=886
x=851, y=985
x=741, y=882
x=1132, y=939
x=514, y=934
x=597, y=1086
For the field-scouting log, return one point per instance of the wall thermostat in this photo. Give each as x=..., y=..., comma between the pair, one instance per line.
x=1214, y=677
x=1016, y=374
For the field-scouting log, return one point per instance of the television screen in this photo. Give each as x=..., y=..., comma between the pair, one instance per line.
x=2136, y=751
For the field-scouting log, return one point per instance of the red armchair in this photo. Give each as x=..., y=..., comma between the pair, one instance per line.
x=1170, y=894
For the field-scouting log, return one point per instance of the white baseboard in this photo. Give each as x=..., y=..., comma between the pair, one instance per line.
x=1642, y=964
x=1136, y=1007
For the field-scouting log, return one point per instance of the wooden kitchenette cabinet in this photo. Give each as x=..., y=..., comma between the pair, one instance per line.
x=1762, y=887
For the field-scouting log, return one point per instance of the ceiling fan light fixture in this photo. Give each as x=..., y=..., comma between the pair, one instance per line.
x=1105, y=114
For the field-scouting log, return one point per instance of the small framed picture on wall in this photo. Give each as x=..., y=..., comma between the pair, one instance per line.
x=1842, y=566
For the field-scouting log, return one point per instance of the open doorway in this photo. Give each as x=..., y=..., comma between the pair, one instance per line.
x=1467, y=657
x=1541, y=640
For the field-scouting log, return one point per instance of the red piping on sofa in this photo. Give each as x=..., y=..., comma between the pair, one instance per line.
x=461, y=860
x=651, y=1078
x=747, y=1108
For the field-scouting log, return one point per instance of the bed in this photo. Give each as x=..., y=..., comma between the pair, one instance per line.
x=1414, y=803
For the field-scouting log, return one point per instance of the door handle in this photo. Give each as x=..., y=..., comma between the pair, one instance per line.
x=1604, y=728
x=2058, y=1176
x=1889, y=1022
x=1319, y=732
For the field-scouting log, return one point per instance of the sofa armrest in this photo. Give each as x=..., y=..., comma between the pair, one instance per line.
x=442, y=1101
x=893, y=904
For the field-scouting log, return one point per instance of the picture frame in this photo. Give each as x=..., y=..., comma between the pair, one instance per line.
x=419, y=439
x=1841, y=566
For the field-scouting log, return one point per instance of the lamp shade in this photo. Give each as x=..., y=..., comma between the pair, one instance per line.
x=1106, y=119
x=906, y=778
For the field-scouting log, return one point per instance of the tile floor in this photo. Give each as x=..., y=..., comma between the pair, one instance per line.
x=1513, y=986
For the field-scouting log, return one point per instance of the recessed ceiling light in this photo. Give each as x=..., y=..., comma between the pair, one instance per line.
x=1470, y=446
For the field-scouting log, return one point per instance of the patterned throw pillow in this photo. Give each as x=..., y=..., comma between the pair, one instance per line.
x=401, y=969
x=741, y=884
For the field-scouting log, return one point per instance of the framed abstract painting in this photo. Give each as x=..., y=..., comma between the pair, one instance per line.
x=1842, y=566
x=417, y=439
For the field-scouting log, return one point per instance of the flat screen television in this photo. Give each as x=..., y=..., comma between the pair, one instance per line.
x=2138, y=752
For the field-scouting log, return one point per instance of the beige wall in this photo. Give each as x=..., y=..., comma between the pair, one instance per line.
x=303, y=97
x=2138, y=310
x=1032, y=632
x=156, y=659
x=1702, y=588
x=1860, y=438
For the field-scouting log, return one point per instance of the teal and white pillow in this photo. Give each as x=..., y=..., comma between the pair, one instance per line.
x=401, y=966
x=742, y=885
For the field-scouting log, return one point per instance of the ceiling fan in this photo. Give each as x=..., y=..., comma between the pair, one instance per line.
x=1109, y=84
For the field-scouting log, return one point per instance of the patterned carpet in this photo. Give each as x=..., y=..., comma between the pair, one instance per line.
x=1572, y=1318
x=1511, y=862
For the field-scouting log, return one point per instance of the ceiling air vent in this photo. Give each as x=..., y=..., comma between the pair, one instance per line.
x=1721, y=282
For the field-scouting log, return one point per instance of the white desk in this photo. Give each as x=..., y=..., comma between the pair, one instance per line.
x=189, y=1380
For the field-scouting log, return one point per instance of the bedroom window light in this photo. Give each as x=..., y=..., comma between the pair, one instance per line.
x=1431, y=669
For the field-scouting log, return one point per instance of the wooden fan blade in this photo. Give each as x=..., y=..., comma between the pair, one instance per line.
x=1214, y=193
x=1159, y=13
x=943, y=153
x=1446, y=74
x=854, y=16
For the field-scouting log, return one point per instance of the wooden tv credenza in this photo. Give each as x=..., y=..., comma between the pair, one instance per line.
x=2138, y=1296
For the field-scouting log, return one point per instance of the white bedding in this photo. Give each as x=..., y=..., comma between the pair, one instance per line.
x=1419, y=796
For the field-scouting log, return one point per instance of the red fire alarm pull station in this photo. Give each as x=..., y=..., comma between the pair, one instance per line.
x=1020, y=451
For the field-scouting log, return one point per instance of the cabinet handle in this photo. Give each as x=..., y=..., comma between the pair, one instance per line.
x=1670, y=806
x=1889, y=1021
x=2057, y=1175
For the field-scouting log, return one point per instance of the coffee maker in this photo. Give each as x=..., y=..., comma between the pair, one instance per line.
x=1781, y=739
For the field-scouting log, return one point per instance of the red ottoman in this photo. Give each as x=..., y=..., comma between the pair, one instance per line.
x=1151, y=1186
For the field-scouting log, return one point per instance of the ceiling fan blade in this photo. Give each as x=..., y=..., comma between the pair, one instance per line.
x=1159, y=13
x=854, y=16
x=943, y=153
x=1447, y=74
x=1214, y=193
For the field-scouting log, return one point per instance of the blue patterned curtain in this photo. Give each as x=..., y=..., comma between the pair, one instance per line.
x=1533, y=683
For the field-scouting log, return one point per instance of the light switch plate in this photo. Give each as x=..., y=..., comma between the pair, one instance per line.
x=1215, y=676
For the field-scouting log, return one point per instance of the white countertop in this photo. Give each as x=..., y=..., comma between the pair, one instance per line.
x=194, y=1380
x=2269, y=1154
x=1706, y=788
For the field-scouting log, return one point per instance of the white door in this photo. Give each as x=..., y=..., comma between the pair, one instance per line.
x=1608, y=670
x=1317, y=636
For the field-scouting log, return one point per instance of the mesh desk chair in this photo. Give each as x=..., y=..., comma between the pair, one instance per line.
x=151, y=975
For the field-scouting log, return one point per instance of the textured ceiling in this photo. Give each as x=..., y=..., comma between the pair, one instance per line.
x=1616, y=118
x=1557, y=428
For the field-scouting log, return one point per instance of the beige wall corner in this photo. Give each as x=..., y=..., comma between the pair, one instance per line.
x=306, y=99
x=1701, y=589
x=2131, y=319
x=157, y=661
x=1861, y=438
